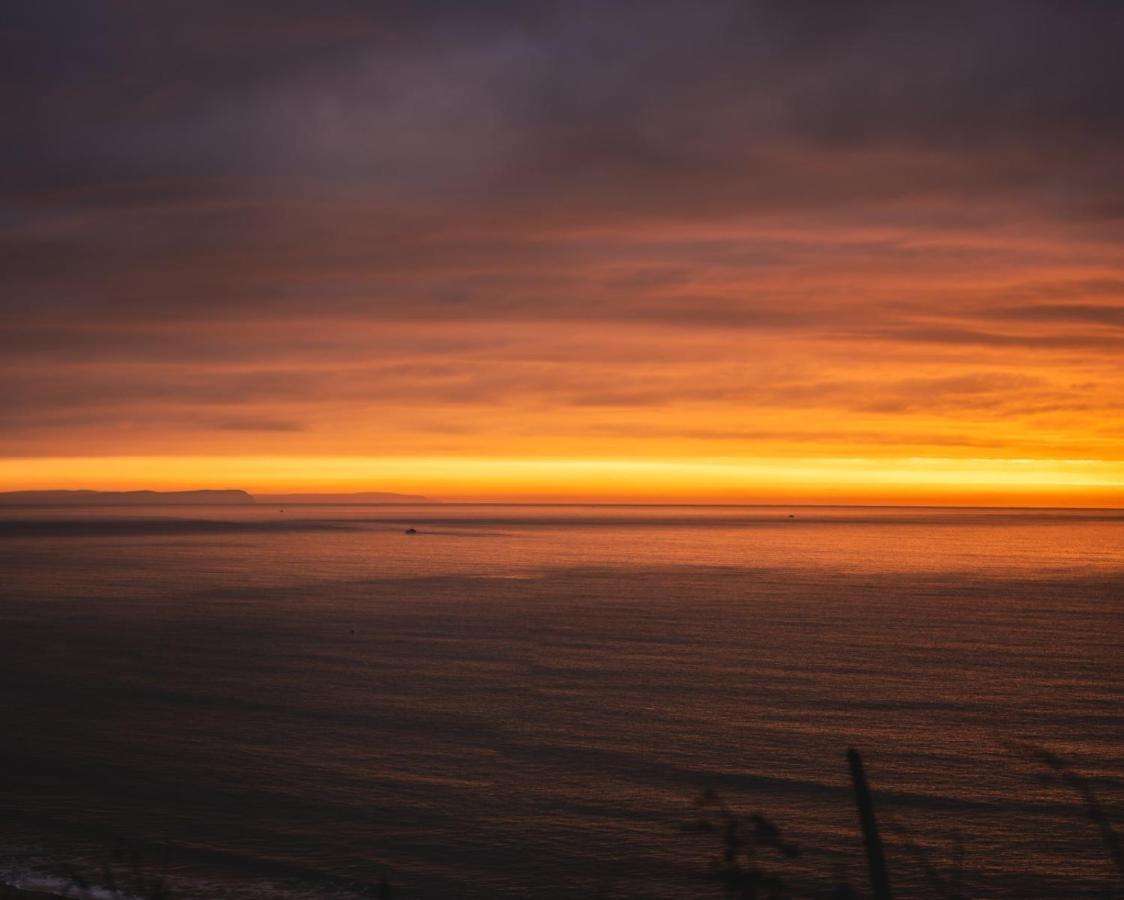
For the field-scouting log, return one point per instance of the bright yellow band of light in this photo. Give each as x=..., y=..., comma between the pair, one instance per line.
x=899, y=480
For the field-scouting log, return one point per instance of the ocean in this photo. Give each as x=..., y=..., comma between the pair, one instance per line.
x=527, y=701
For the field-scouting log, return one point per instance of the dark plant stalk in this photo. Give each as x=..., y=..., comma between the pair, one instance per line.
x=1093, y=808
x=875, y=855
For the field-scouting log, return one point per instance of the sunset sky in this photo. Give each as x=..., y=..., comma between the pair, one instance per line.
x=737, y=252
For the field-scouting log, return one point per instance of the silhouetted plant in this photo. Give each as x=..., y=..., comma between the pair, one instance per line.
x=745, y=843
x=872, y=840
x=1094, y=811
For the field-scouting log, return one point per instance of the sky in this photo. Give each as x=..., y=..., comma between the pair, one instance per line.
x=776, y=251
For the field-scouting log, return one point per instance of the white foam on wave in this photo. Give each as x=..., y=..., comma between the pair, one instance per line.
x=23, y=878
x=53, y=884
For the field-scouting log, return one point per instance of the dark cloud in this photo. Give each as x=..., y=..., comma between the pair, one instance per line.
x=1069, y=313
x=968, y=337
x=710, y=99
x=250, y=424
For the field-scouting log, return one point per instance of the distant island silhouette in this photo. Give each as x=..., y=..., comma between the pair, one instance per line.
x=193, y=498
x=124, y=498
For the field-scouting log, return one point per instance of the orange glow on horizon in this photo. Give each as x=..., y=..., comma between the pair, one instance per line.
x=903, y=481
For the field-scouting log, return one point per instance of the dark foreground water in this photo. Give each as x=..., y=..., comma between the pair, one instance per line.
x=525, y=701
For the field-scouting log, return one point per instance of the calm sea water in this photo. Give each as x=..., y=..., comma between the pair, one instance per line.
x=525, y=701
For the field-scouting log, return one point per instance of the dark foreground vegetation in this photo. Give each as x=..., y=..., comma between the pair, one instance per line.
x=749, y=860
